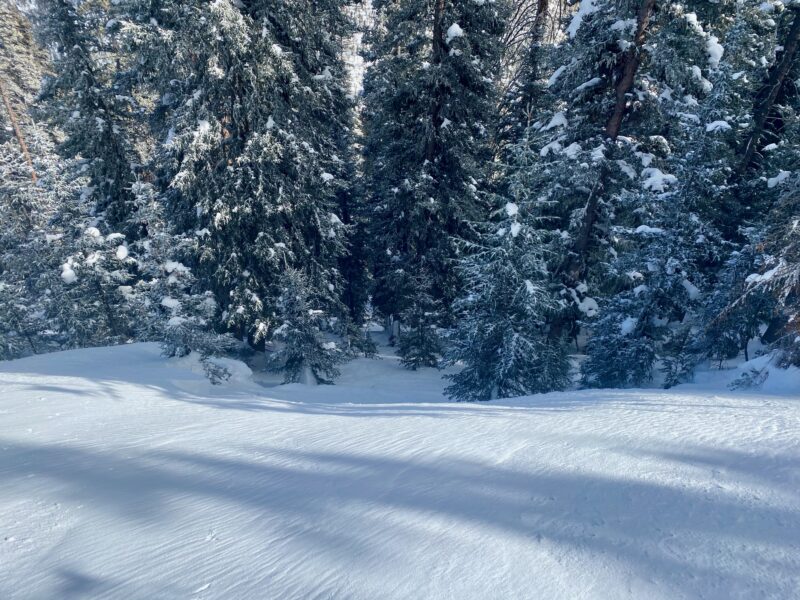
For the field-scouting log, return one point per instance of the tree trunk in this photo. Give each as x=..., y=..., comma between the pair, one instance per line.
x=17, y=131
x=775, y=81
x=541, y=13
x=630, y=64
x=574, y=265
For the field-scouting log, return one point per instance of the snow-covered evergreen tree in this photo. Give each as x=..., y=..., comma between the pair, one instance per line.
x=639, y=239
x=739, y=169
x=301, y=350
x=420, y=343
x=253, y=162
x=83, y=99
x=779, y=276
x=429, y=103
x=504, y=339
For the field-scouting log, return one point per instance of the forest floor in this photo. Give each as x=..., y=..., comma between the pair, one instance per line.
x=125, y=476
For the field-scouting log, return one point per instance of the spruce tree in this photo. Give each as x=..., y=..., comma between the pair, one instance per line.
x=503, y=339
x=637, y=70
x=83, y=99
x=301, y=350
x=253, y=162
x=429, y=99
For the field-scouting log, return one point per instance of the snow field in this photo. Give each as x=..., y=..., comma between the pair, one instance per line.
x=125, y=476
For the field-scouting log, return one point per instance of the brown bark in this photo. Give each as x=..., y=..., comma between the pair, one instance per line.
x=573, y=263
x=775, y=82
x=573, y=266
x=630, y=64
x=12, y=117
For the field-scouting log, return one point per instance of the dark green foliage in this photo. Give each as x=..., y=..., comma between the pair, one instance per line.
x=83, y=98
x=420, y=343
x=429, y=114
x=301, y=351
x=621, y=353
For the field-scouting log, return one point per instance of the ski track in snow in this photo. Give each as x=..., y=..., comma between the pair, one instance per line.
x=123, y=476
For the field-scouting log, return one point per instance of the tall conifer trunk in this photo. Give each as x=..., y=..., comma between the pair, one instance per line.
x=630, y=65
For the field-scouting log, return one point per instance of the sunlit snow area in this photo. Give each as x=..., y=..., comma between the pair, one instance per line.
x=126, y=476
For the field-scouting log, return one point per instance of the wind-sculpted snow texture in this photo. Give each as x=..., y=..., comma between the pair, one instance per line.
x=123, y=476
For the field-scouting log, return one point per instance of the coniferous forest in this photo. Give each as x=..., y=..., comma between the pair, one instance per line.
x=538, y=194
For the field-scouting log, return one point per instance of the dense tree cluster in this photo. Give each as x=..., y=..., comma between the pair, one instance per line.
x=538, y=193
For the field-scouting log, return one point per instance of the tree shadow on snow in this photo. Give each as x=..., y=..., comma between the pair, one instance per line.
x=681, y=536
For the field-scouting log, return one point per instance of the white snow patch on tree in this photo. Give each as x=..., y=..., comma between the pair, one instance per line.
x=68, y=274
x=572, y=150
x=170, y=303
x=556, y=74
x=586, y=8
x=624, y=25
x=778, y=179
x=715, y=51
x=691, y=289
x=594, y=82
x=647, y=230
x=657, y=181
x=628, y=325
x=558, y=120
x=453, y=32
x=554, y=147
x=718, y=126
x=173, y=266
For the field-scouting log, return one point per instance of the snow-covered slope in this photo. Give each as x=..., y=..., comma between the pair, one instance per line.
x=123, y=476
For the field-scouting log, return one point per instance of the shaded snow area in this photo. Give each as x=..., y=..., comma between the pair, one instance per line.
x=125, y=476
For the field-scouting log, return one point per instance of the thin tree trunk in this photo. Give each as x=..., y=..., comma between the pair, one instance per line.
x=574, y=265
x=624, y=86
x=630, y=64
x=17, y=131
x=541, y=12
x=575, y=261
x=775, y=82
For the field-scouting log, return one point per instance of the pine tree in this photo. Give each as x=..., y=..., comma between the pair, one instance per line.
x=749, y=185
x=503, y=339
x=632, y=238
x=253, y=163
x=429, y=99
x=735, y=314
x=60, y=274
x=82, y=98
x=779, y=276
x=302, y=353
x=420, y=342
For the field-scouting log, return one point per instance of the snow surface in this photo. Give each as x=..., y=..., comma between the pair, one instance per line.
x=125, y=476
